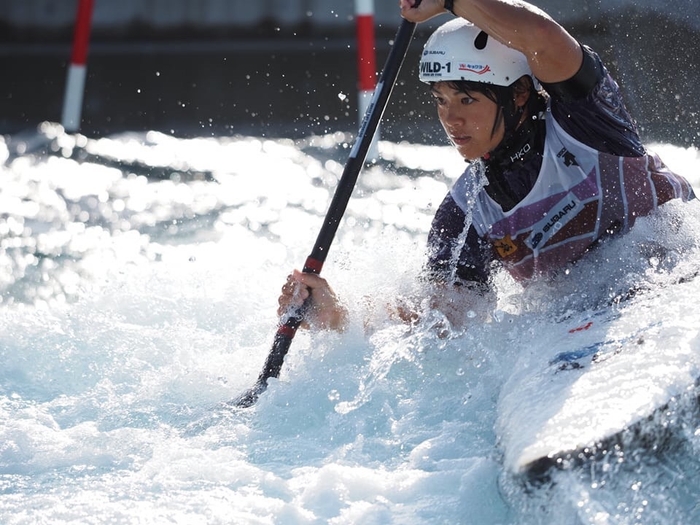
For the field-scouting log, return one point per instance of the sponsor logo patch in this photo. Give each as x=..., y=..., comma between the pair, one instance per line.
x=568, y=157
x=478, y=69
x=505, y=246
x=558, y=217
x=434, y=68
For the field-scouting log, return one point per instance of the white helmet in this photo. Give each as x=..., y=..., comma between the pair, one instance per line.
x=458, y=50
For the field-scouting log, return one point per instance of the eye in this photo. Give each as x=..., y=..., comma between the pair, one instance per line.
x=466, y=100
x=439, y=100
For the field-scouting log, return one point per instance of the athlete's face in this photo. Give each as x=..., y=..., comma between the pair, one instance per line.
x=468, y=120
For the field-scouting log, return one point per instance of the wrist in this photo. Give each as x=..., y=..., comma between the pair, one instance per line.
x=449, y=5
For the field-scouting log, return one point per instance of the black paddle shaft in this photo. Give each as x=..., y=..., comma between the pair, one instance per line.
x=314, y=262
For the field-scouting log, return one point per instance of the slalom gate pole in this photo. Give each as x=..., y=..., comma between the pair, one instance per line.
x=314, y=263
x=366, y=64
x=75, y=82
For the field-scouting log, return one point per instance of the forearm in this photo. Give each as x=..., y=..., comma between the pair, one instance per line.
x=519, y=25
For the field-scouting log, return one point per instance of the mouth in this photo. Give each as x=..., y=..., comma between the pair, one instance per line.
x=460, y=140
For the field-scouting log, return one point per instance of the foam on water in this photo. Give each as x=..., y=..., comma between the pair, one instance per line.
x=139, y=281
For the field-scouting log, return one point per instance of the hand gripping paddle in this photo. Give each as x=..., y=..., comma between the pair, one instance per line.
x=314, y=262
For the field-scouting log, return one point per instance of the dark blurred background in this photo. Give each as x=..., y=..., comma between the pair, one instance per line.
x=288, y=68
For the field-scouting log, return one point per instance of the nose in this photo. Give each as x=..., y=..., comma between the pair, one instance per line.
x=451, y=114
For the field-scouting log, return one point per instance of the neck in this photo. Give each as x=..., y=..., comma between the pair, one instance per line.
x=517, y=146
x=526, y=142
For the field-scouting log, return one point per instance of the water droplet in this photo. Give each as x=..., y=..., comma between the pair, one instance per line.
x=334, y=395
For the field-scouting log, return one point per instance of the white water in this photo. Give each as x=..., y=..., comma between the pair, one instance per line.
x=134, y=307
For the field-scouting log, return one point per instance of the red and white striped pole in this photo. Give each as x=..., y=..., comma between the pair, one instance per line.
x=366, y=69
x=75, y=83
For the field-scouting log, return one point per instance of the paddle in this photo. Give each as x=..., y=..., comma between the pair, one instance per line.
x=290, y=322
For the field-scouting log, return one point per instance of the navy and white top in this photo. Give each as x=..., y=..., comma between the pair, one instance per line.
x=591, y=179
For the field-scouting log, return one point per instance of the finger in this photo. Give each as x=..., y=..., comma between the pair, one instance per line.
x=311, y=280
x=301, y=294
x=293, y=284
x=286, y=302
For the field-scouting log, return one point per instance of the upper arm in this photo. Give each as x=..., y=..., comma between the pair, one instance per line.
x=553, y=54
x=590, y=74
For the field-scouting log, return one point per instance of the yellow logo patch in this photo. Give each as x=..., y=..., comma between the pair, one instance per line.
x=505, y=246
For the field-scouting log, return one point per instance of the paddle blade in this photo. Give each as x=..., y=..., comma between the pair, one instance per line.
x=249, y=398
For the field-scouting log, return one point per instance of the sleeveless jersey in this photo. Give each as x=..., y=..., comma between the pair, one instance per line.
x=581, y=195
